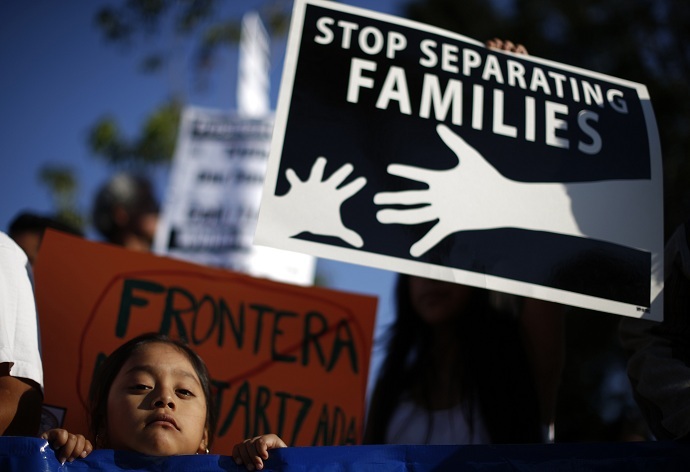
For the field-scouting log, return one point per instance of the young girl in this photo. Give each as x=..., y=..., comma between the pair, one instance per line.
x=152, y=395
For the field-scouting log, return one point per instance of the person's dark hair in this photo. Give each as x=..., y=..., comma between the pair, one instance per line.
x=33, y=222
x=133, y=193
x=111, y=366
x=491, y=365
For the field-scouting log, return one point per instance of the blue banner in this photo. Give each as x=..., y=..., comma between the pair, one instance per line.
x=29, y=454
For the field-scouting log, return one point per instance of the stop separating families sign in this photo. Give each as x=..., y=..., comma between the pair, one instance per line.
x=406, y=147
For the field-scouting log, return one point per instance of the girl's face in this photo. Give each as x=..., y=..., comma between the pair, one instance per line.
x=436, y=301
x=156, y=405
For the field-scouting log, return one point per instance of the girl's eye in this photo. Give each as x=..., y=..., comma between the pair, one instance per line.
x=140, y=387
x=184, y=392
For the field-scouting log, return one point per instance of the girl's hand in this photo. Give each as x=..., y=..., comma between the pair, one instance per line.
x=67, y=446
x=252, y=452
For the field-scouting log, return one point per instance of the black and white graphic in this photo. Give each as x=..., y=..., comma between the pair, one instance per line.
x=405, y=147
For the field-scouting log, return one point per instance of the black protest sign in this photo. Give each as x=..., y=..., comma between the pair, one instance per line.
x=413, y=149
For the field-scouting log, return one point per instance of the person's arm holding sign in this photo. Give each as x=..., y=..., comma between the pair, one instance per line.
x=542, y=326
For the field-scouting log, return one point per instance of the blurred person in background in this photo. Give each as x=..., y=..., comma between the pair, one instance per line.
x=125, y=211
x=27, y=230
x=659, y=352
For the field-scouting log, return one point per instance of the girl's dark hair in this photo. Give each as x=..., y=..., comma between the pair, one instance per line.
x=107, y=371
x=491, y=365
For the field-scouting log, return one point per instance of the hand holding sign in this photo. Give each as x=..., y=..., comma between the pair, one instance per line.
x=455, y=191
x=314, y=205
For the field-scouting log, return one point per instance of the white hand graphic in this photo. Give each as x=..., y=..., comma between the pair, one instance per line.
x=473, y=195
x=314, y=205
x=456, y=191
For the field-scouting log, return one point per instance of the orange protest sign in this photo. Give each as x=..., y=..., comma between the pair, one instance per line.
x=285, y=359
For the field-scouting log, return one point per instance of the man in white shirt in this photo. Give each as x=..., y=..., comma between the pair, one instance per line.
x=21, y=370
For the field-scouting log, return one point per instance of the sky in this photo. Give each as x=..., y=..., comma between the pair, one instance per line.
x=58, y=76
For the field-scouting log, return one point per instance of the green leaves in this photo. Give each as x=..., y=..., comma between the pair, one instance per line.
x=154, y=145
x=63, y=187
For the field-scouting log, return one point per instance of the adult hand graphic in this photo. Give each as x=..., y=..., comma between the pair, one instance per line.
x=475, y=196
x=453, y=197
x=313, y=205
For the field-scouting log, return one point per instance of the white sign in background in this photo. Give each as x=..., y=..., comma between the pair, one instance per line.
x=210, y=209
x=405, y=147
